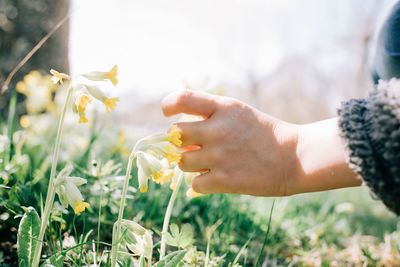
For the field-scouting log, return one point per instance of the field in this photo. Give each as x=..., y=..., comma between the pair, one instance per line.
x=337, y=228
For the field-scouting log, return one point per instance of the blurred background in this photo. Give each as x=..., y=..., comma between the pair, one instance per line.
x=294, y=59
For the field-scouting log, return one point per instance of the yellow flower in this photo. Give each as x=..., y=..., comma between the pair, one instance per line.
x=24, y=121
x=120, y=147
x=68, y=192
x=81, y=102
x=149, y=167
x=38, y=90
x=110, y=103
x=163, y=176
x=164, y=149
x=110, y=75
x=172, y=154
x=58, y=77
x=174, y=136
x=83, y=118
x=80, y=207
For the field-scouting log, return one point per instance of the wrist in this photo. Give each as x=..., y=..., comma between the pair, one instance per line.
x=321, y=159
x=287, y=135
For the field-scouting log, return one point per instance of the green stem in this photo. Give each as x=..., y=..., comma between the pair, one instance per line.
x=267, y=233
x=51, y=188
x=116, y=235
x=99, y=216
x=168, y=216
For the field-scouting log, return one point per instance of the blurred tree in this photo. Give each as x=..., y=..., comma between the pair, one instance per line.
x=22, y=24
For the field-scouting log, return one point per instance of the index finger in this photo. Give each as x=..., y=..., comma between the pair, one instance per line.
x=189, y=102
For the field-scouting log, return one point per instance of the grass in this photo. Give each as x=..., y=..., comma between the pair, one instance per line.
x=342, y=227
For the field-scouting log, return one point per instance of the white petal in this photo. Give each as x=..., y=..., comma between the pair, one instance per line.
x=72, y=193
x=78, y=181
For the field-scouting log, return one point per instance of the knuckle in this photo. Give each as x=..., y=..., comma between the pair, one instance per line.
x=214, y=155
x=184, y=97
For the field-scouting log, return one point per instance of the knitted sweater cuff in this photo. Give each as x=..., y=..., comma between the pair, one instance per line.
x=370, y=128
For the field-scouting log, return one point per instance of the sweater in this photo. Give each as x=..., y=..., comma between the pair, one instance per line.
x=370, y=128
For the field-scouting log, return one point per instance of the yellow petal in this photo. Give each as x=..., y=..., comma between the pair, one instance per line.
x=21, y=87
x=83, y=118
x=172, y=154
x=174, y=136
x=81, y=102
x=80, y=207
x=143, y=189
x=112, y=75
x=24, y=121
x=58, y=77
x=157, y=176
x=110, y=103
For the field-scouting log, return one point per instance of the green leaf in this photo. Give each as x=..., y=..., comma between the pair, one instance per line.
x=172, y=260
x=182, y=238
x=28, y=232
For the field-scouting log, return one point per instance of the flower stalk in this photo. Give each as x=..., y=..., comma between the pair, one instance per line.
x=116, y=235
x=168, y=215
x=52, y=187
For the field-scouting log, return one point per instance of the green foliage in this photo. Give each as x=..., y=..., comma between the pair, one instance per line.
x=180, y=238
x=28, y=232
x=303, y=229
x=173, y=259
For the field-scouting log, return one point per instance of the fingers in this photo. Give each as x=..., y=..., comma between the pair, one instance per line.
x=194, y=161
x=192, y=133
x=189, y=102
x=207, y=183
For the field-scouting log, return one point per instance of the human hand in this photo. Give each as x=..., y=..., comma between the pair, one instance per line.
x=240, y=149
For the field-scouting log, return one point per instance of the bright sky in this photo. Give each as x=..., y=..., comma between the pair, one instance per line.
x=160, y=44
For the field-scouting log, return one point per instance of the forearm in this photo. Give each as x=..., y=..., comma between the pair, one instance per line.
x=321, y=159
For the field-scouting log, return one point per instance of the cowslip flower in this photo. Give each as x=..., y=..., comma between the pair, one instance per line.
x=68, y=192
x=136, y=238
x=167, y=151
x=110, y=75
x=143, y=246
x=59, y=77
x=149, y=167
x=109, y=102
x=174, y=135
x=81, y=103
x=38, y=90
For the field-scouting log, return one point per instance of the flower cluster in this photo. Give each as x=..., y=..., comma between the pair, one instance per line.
x=85, y=92
x=136, y=238
x=157, y=157
x=38, y=90
x=68, y=191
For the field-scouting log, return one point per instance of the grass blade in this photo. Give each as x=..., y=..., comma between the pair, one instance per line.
x=266, y=235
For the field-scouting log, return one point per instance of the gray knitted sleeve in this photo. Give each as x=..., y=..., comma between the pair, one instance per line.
x=370, y=128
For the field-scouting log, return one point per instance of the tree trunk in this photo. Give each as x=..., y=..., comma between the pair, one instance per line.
x=22, y=24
